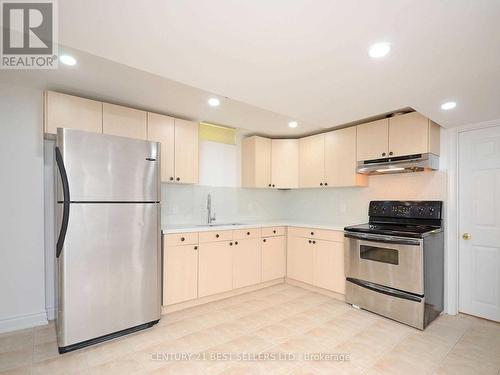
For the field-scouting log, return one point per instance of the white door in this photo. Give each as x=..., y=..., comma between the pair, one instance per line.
x=479, y=207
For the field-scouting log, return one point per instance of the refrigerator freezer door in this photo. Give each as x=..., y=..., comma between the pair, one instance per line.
x=106, y=168
x=108, y=271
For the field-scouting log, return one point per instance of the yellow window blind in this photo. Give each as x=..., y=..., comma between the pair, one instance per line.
x=217, y=133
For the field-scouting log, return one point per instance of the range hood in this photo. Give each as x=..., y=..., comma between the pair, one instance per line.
x=399, y=164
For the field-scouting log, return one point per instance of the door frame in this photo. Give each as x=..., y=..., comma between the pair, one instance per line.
x=452, y=210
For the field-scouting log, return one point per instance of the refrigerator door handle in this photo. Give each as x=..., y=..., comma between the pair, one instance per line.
x=66, y=200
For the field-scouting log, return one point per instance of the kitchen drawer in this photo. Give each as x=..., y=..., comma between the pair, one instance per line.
x=240, y=234
x=214, y=236
x=176, y=239
x=321, y=234
x=273, y=231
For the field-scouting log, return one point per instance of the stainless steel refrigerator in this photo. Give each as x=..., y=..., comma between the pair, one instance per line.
x=108, y=248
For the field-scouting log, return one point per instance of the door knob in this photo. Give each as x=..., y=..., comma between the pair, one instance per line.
x=466, y=236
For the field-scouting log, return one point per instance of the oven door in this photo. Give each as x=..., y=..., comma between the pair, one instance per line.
x=395, y=262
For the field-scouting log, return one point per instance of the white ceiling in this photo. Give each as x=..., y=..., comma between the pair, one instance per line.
x=293, y=59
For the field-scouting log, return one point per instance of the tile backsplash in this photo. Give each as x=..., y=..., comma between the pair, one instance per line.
x=187, y=204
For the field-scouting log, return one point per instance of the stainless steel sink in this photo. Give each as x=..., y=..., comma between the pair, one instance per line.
x=218, y=225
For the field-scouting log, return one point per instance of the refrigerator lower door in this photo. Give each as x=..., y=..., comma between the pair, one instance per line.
x=108, y=271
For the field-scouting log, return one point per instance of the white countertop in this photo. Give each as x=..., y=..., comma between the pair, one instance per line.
x=263, y=224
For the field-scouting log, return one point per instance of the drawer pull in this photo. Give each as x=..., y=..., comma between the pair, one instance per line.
x=230, y=244
x=196, y=247
x=217, y=235
x=248, y=233
x=183, y=239
x=312, y=233
x=236, y=243
x=264, y=240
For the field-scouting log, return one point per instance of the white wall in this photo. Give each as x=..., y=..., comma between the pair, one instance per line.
x=22, y=295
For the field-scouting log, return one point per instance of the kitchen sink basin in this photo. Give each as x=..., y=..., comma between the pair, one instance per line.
x=218, y=225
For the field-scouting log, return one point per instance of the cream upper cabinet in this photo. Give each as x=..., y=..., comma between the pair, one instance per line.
x=67, y=111
x=124, y=121
x=180, y=273
x=340, y=159
x=161, y=129
x=413, y=133
x=247, y=263
x=186, y=152
x=373, y=140
x=215, y=268
x=273, y=258
x=312, y=161
x=328, y=265
x=300, y=258
x=256, y=162
x=285, y=163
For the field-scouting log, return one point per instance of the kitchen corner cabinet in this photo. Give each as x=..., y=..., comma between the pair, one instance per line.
x=124, y=121
x=256, y=162
x=407, y=134
x=273, y=258
x=179, y=147
x=312, y=161
x=67, y=111
x=215, y=267
x=180, y=273
x=340, y=159
x=285, y=163
x=246, y=262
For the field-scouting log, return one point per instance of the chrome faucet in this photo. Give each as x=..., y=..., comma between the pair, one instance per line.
x=210, y=218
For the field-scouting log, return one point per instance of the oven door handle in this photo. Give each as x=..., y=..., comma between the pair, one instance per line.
x=385, y=290
x=383, y=239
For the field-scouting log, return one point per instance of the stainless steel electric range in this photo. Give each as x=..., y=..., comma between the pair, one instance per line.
x=394, y=264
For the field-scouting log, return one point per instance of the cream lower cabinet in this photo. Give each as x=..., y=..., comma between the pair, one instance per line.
x=300, y=259
x=180, y=273
x=317, y=261
x=247, y=262
x=273, y=258
x=328, y=265
x=215, y=267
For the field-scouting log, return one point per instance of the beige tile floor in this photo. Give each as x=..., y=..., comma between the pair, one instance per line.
x=278, y=322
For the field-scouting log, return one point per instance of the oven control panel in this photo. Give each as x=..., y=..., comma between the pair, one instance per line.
x=406, y=209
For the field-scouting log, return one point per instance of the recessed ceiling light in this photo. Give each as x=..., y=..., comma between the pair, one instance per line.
x=213, y=102
x=293, y=124
x=378, y=50
x=67, y=60
x=448, y=105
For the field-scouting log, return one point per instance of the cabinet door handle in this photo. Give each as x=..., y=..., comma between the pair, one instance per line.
x=236, y=243
x=274, y=231
x=196, y=247
x=383, y=153
x=326, y=183
x=310, y=241
x=312, y=233
x=314, y=242
x=391, y=153
x=217, y=235
x=320, y=184
x=248, y=233
x=264, y=240
x=171, y=178
x=230, y=244
x=273, y=185
x=178, y=179
x=183, y=239
x=269, y=185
